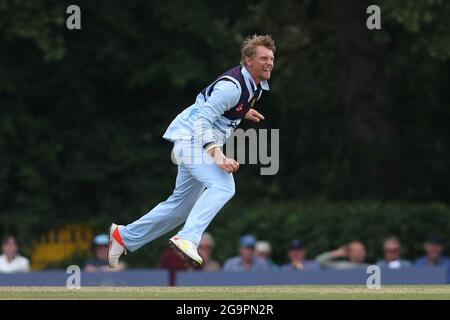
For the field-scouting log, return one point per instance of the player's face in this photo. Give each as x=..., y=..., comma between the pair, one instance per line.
x=260, y=67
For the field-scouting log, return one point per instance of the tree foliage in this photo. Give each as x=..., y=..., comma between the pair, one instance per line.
x=362, y=114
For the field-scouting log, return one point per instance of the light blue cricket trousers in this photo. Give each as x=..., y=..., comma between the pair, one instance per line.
x=189, y=203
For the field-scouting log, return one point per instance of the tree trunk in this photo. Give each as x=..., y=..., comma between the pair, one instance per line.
x=368, y=129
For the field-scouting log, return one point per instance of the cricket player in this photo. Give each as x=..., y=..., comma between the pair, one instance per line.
x=204, y=181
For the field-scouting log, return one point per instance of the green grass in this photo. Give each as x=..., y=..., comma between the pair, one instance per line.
x=299, y=292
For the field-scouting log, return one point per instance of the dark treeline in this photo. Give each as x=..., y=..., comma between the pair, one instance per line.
x=363, y=114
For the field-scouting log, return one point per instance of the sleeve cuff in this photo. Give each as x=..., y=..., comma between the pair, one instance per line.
x=206, y=145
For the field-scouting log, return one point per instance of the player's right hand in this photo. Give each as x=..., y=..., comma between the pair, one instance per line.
x=227, y=164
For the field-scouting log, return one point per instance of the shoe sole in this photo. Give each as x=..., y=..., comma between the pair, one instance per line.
x=109, y=245
x=183, y=255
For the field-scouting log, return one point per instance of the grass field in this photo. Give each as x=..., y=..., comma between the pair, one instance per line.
x=218, y=293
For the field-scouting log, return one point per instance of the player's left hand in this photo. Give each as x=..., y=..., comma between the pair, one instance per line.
x=254, y=115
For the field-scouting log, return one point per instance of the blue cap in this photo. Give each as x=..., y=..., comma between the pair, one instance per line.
x=247, y=241
x=101, y=240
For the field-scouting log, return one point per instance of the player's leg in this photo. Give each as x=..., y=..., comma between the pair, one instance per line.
x=165, y=216
x=161, y=219
x=220, y=189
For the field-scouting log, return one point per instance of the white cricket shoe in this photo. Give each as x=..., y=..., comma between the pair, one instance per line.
x=187, y=249
x=115, y=249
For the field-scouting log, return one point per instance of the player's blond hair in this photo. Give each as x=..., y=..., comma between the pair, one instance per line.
x=248, y=48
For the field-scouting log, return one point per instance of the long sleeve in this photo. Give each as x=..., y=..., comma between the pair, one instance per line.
x=224, y=96
x=325, y=260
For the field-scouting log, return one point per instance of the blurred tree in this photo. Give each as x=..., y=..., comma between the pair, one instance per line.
x=362, y=114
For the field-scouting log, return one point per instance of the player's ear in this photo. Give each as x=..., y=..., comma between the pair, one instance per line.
x=248, y=61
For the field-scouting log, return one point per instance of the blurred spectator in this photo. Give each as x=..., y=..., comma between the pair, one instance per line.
x=433, y=247
x=204, y=250
x=246, y=261
x=10, y=260
x=263, y=250
x=297, y=254
x=99, y=263
x=173, y=262
x=354, y=252
x=392, y=250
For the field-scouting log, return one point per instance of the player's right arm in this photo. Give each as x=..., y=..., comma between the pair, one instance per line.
x=227, y=164
x=224, y=96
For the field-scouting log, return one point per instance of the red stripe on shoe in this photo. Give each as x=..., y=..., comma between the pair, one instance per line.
x=117, y=237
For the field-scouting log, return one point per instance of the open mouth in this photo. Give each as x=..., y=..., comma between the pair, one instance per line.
x=267, y=72
x=267, y=69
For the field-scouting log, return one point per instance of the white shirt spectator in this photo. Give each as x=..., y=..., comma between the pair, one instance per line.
x=18, y=264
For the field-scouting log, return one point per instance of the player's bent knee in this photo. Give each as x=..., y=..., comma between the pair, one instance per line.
x=224, y=191
x=228, y=190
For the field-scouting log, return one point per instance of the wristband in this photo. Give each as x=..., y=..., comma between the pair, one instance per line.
x=210, y=147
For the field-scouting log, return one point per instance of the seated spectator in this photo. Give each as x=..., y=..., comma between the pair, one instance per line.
x=392, y=250
x=173, y=262
x=10, y=260
x=246, y=261
x=204, y=250
x=99, y=263
x=263, y=250
x=354, y=252
x=433, y=246
x=297, y=254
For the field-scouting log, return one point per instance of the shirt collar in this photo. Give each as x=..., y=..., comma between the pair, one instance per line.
x=249, y=80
